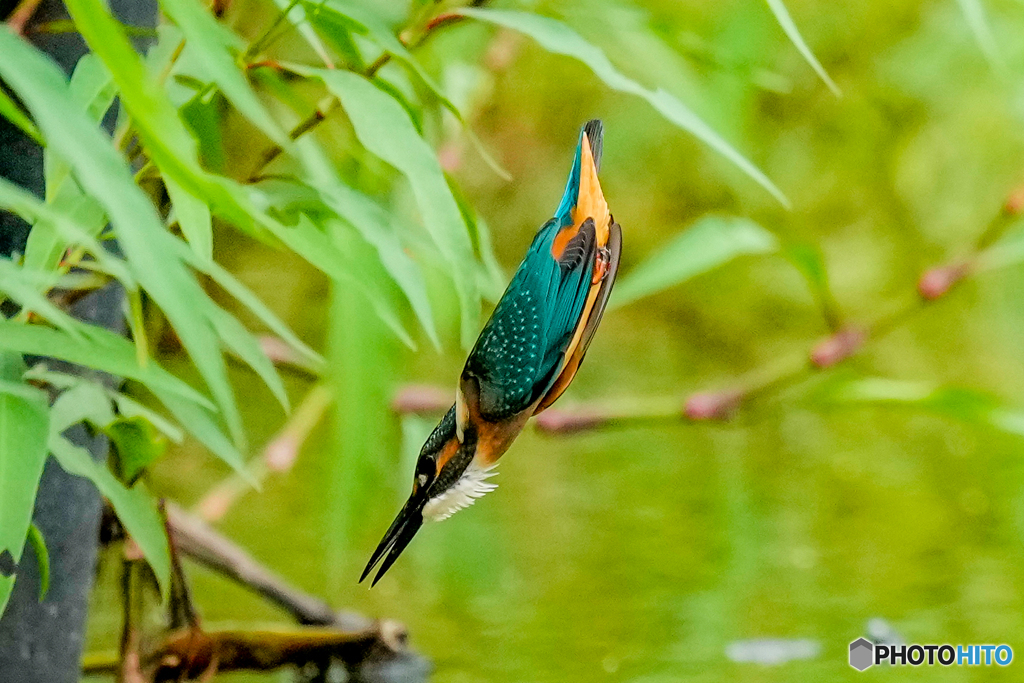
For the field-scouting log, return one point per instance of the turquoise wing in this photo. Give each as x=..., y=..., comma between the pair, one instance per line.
x=521, y=349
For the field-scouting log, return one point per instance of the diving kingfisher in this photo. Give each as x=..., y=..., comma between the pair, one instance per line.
x=526, y=355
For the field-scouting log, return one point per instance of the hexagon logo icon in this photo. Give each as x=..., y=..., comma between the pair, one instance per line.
x=862, y=653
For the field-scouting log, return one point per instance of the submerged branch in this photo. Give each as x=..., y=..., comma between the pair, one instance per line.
x=367, y=649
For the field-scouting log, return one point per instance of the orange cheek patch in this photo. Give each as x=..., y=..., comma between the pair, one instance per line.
x=449, y=451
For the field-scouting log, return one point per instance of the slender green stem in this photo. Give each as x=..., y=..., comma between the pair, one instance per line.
x=759, y=384
x=137, y=320
x=169, y=66
x=321, y=113
x=263, y=40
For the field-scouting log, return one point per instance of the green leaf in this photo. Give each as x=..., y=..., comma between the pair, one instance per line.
x=558, y=38
x=315, y=246
x=168, y=142
x=47, y=243
x=1007, y=251
x=338, y=16
x=10, y=111
x=172, y=148
x=295, y=14
x=244, y=296
x=85, y=401
x=201, y=423
x=375, y=225
x=809, y=261
x=6, y=587
x=23, y=203
x=105, y=176
x=132, y=409
x=135, y=507
x=968, y=405
x=710, y=242
x=12, y=367
x=24, y=428
x=244, y=345
x=25, y=287
x=491, y=277
x=93, y=87
x=339, y=19
x=35, y=538
x=385, y=129
x=100, y=349
x=194, y=219
x=974, y=13
x=93, y=90
x=793, y=33
x=214, y=45
x=136, y=445
x=202, y=116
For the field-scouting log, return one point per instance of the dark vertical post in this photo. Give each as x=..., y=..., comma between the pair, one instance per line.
x=42, y=641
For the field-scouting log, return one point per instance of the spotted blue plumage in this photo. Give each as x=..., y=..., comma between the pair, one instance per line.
x=521, y=348
x=521, y=362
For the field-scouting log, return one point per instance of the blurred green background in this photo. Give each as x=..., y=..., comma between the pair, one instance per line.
x=643, y=551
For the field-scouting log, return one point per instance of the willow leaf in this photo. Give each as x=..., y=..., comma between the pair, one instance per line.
x=793, y=33
x=214, y=44
x=24, y=428
x=710, y=242
x=105, y=176
x=135, y=506
x=385, y=129
x=10, y=111
x=100, y=349
x=556, y=37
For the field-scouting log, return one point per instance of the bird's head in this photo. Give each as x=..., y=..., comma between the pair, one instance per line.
x=444, y=482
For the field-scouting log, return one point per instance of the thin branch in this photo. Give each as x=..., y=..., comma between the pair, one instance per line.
x=333, y=104
x=279, y=455
x=722, y=404
x=200, y=542
x=22, y=14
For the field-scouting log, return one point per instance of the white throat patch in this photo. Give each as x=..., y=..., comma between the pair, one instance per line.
x=471, y=485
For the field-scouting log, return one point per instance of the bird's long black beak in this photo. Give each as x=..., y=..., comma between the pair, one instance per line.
x=401, y=531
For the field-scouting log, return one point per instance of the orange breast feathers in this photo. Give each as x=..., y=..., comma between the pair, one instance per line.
x=590, y=203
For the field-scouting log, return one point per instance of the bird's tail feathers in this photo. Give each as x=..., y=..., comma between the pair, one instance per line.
x=595, y=135
x=593, y=132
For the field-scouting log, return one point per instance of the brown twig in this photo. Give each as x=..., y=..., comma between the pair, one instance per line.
x=422, y=399
x=369, y=649
x=200, y=542
x=21, y=15
x=722, y=404
x=333, y=104
x=279, y=455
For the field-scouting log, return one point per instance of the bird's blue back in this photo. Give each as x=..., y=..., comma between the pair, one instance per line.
x=521, y=348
